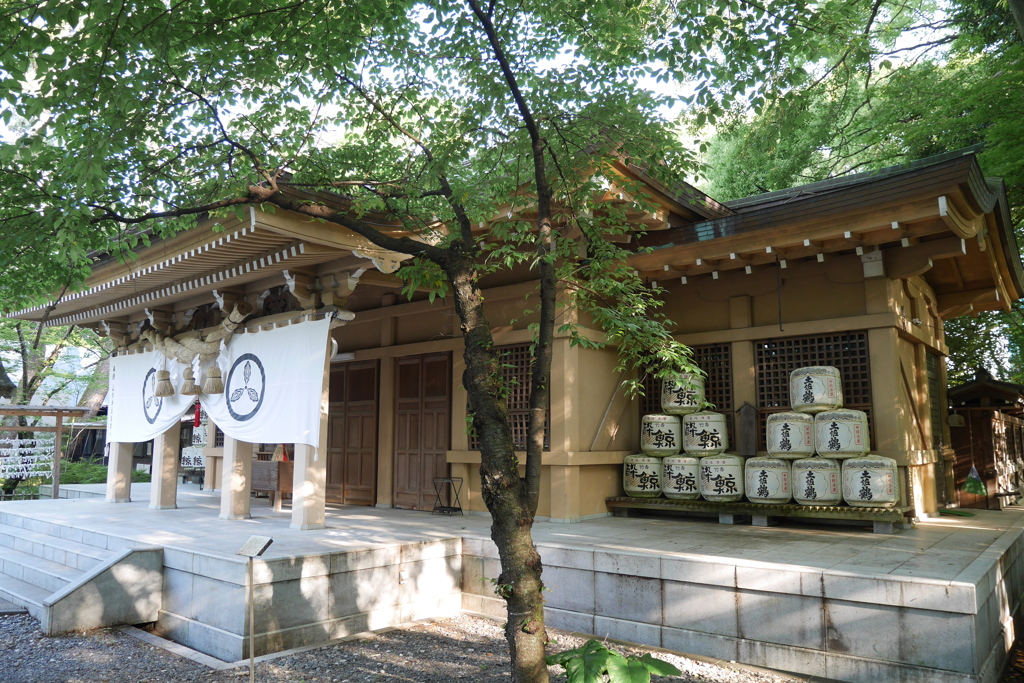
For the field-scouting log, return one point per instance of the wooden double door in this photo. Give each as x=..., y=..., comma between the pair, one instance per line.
x=422, y=411
x=352, y=434
x=422, y=427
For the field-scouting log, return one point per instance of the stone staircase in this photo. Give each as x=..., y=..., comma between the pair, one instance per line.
x=59, y=573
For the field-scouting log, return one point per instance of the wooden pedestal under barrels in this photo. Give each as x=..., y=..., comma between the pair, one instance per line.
x=682, y=394
x=641, y=476
x=815, y=389
x=768, y=480
x=790, y=436
x=816, y=481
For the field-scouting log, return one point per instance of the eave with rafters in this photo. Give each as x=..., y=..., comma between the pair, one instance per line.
x=224, y=258
x=940, y=219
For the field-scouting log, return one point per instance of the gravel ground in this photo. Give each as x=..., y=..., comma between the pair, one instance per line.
x=461, y=649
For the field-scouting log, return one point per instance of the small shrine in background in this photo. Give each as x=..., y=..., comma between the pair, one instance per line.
x=986, y=429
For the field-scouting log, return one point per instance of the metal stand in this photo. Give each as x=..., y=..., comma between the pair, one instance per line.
x=456, y=485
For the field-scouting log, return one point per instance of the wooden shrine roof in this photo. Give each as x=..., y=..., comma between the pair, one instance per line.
x=209, y=260
x=939, y=217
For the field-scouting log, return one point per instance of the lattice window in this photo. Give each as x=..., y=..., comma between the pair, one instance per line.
x=515, y=374
x=716, y=361
x=776, y=358
x=218, y=439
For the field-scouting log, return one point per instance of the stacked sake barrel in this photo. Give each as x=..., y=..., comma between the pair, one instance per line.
x=817, y=435
x=684, y=449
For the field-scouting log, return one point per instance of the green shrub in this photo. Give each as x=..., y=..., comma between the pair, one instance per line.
x=592, y=661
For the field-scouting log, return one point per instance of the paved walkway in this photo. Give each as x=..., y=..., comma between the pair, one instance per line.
x=938, y=549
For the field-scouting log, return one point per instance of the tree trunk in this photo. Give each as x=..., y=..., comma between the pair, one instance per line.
x=504, y=491
x=1017, y=8
x=96, y=389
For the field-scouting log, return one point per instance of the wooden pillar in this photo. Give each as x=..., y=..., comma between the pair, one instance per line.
x=386, y=413
x=163, y=488
x=309, y=482
x=566, y=497
x=236, y=479
x=119, y=472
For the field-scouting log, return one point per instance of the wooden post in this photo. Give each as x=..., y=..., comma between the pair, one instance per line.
x=57, y=437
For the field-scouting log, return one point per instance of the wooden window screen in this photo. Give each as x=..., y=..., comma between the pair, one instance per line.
x=776, y=358
x=515, y=375
x=716, y=361
x=218, y=439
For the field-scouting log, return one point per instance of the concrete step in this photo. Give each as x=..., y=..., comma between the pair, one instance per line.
x=62, y=531
x=53, y=548
x=24, y=594
x=37, y=571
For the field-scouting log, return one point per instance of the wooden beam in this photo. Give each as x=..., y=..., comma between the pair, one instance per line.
x=972, y=297
x=964, y=226
x=910, y=261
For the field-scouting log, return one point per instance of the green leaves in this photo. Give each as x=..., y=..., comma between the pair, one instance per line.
x=592, y=660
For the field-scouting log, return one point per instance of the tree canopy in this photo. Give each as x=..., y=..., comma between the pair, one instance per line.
x=952, y=82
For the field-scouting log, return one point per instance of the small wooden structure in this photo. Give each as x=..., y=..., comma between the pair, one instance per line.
x=990, y=438
x=274, y=478
x=59, y=413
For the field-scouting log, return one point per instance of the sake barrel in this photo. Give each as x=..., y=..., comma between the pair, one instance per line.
x=870, y=481
x=816, y=481
x=815, y=389
x=721, y=478
x=682, y=394
x=681, y=478
x=768, y=480
x=790, y=435
x=660, y=435
x=641, y=476
x=841, y=433
x=704, y=433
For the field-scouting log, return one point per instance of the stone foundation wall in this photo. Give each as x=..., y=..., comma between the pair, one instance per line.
x=305, y=600
x=839, y=625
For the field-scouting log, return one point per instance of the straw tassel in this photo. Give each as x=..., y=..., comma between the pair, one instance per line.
x=213, y=383
x=163, y=384
x=189, y=388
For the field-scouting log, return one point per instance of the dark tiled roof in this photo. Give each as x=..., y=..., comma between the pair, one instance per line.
x=841, y=182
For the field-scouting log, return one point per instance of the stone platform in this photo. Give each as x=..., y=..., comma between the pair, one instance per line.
x=934, y=603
